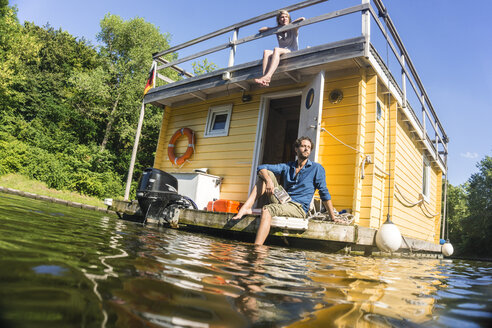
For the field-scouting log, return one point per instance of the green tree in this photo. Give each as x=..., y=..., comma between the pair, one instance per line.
x=202, y=67
x=469, y=213
x=68, y=110
x=126, y=55
x=477, y=227
x=17, y=49
x=457, y=211
x=46, y=107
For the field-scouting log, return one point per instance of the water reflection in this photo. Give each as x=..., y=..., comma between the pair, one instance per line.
x=115, y=236
x=76, y=268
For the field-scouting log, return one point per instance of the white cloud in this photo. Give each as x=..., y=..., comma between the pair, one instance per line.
x=469, y=155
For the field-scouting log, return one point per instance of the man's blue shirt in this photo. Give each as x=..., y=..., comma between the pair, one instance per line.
x=301, y=188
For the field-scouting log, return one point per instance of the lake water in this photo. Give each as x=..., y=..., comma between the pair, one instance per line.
x=66, y=267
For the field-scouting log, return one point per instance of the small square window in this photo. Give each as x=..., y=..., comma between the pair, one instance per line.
x=218, y=120
x=426, y=178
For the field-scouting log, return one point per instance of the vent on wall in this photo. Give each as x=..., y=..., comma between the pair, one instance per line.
x=336, y=96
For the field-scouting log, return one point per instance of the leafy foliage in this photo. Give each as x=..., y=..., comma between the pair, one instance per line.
x=470, y=213
x=202, y=67
x=69, y=110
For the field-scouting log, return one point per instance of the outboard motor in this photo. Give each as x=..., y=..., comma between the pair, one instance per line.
x=157, y=191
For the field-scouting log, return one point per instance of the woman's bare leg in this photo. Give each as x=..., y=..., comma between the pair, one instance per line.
x=267, y=54
x=274, y=61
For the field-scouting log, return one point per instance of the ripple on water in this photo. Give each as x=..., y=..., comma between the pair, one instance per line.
x=67, y=267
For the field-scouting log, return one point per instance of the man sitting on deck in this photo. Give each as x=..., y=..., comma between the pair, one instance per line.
x=301, y=179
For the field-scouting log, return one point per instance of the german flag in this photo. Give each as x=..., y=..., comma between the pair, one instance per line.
x=150, y=80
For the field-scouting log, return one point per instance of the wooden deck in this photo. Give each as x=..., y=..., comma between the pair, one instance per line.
x=295, y=66
x=350, y=239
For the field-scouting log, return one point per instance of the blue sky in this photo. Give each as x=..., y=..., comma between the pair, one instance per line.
x=447, y=41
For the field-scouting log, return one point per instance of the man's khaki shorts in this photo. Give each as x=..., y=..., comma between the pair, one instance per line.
x=289, y=209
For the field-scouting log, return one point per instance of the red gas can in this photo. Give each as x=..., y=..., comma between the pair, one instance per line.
x=224, y=205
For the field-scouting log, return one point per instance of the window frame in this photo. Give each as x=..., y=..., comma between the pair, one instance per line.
x=426, y=176
x=379, y=110
x=213, y=112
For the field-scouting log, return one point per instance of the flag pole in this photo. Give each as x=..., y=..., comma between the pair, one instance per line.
x=137, y=138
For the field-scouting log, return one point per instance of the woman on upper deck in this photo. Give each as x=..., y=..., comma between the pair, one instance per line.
x=287, y=42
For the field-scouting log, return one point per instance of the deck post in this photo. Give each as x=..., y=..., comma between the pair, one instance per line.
x=403, y=81
x=232, y=53
x=134, y=152
x=137, y=139
x=366, y=28
x=437, y=140
x=423, y=117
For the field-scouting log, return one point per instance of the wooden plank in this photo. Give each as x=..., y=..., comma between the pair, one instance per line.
x=317, y=230
x=199, y=94
x=243, y=85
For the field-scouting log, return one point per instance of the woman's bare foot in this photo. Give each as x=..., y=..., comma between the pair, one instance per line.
x=242, y=212
x=263, y=81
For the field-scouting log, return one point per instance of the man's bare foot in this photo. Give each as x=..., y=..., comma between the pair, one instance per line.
x=242, y=212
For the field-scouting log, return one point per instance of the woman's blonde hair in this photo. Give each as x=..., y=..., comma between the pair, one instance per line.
x=280, y=13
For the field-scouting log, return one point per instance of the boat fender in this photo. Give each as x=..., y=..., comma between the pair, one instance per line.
x=172, y=143
x=388, y=237
x=447, y=249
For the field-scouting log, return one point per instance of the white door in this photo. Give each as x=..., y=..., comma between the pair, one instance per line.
x=311, y=108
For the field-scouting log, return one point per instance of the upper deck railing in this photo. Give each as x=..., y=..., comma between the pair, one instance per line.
x=437, y=146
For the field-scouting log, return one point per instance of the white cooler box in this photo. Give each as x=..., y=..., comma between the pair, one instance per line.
x=200, y=187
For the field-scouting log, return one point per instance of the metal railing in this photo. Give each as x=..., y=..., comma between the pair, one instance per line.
x=386, y=27
x=404, y=60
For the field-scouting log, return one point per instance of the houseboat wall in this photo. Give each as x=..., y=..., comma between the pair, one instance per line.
x=420, y=221
x=343, y=120
x=354, y=120
x=230, y=157
x=398, y=164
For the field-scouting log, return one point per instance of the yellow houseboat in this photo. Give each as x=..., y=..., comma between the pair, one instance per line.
x=383, y=155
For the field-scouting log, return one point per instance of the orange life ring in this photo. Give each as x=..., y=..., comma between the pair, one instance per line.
x=189, y=151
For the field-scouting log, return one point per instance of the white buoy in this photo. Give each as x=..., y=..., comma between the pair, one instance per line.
x=388, y=237
x=447, y=249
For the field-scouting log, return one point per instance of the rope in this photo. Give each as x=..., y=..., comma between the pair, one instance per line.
x=406, y=200
x=421, y=202
x=389, y=134
x=340, y=141
x=428, y=211
x=366, y=157
x=184, y=163
x=445, y=232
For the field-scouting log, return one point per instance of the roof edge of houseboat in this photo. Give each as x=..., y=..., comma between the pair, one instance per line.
x=293, y=66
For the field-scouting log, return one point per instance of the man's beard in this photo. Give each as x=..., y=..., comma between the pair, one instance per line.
x=302, y=157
